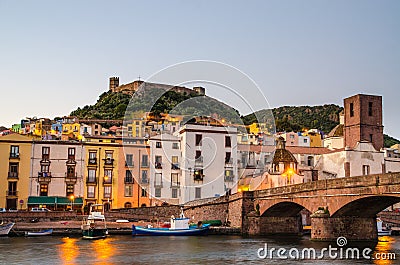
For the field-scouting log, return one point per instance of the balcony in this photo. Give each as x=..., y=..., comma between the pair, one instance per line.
x=108, y=162
x=198, y=161
x=92, y=161
x=198, y=175
x=229, y=162
x=45, y=162
x=229, y=178
x=175, y=166
x=158, y=165
x=130, y=164
x=145, y=164
x=175, y=184
x=11, y=193
x=14, y=155
x=91, y=180
x=71, y=177
x=71, y=162
x=13, y=175
x=44, y=177
x=144, y=181
x=128, y=180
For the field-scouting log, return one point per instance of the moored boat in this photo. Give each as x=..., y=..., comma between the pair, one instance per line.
x=46, y=232
x=178, y=227
x=6, y=228
x=94, y=225
x=382, y=231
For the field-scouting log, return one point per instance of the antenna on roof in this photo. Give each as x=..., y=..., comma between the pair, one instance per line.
x=139, y=77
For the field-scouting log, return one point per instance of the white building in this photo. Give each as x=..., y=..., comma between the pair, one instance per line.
x=165, y=170
x=209, y=165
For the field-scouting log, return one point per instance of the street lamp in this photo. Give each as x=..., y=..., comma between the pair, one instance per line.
x=72, y=198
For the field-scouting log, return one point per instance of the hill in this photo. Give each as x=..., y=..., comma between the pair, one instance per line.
x=111, y=105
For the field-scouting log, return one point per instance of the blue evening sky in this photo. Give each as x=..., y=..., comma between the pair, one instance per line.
x=58, y=55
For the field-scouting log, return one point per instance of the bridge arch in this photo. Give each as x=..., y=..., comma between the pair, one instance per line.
x=366, y=207
x=283, y=209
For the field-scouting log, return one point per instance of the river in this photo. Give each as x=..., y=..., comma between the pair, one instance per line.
x=212, y=249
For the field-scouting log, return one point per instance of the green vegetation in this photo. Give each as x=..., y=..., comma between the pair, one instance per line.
x=290, y=118
x=287, y=118
x=389, y=141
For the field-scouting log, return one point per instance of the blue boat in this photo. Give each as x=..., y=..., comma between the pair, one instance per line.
x=179, y=227
x=46, y=232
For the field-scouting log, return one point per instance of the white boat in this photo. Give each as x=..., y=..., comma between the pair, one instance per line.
x=39, y=233
x=94, y=226
x=5, y=228
x=382, y=231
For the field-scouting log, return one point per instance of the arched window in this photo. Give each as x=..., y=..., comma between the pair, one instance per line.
x=310, y=161
x=107, y=207
x=143, y=205
x=128, y=205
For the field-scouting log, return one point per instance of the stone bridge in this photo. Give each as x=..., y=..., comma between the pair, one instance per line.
x=338, y=207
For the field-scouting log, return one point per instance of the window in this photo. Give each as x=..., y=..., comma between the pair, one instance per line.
x=229, y=175
x=128, y=176
x=144, y=179
x=92, y=175
x=43, y=189
x=71, y=153
x=145, y=160
x=128, y=205
x=70, y=171
x=158, y=180
x=90, y=192
x=45, y=153
x=158, y=162
x=108, y=176
x=92, y=158
x=369, y=108
x=14, y=151
x=157, y=192
x=198, y=175
x=305, y=141
x=228, y=158
x=128, y=190
x=13, y=170
x=175, y=180
x=310, y=161
x=175, y=146
x=175, y=162
x=227, y=141
x=197, y=194
x=129, y=160
x=365, y=169
x=44, y=168
x=107, y=192
x=12, y=188
x=144, y=192
x=174, y=193
x=351, y=109
x=291, y=136
x=370, y=137
x=198, y=155
x=70, y=189
x=109, y=154
x=137, y=131
x=129, y=128
x=199, y=137
x=158, y=144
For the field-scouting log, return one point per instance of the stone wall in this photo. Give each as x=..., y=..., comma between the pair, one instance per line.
x=353, y=228
x=280, y=225
x=156, y=213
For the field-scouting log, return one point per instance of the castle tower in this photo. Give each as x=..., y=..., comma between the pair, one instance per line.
x=114, y=83
x=363, y=120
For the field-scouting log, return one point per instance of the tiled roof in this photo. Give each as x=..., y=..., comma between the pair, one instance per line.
x=337, y=131
x=283, y=155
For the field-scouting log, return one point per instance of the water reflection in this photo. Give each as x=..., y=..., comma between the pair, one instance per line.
x=68, y=250
x=104, y=249
x=383, y=248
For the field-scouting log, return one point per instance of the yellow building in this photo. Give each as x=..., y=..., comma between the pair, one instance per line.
x=315, y=138
x=71, y=131
x=256, y=128
x=15, y=151
x=101, y=170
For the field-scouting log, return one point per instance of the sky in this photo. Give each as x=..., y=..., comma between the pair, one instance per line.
x=56, y=56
